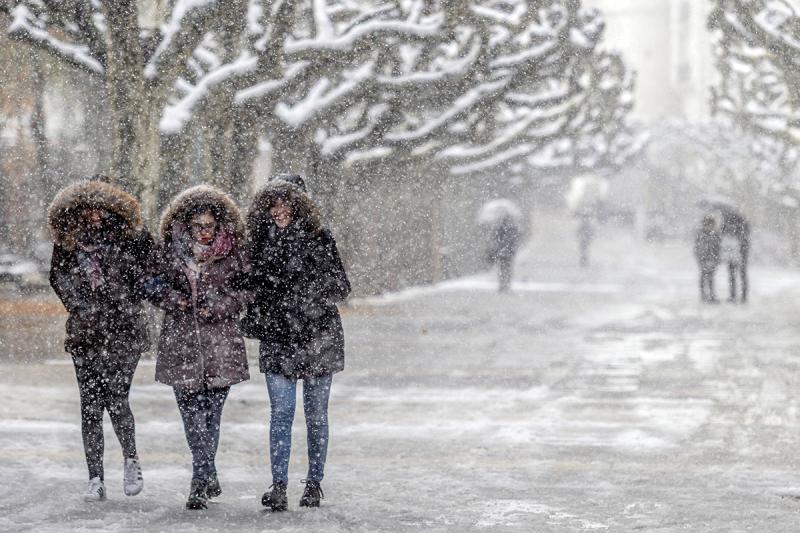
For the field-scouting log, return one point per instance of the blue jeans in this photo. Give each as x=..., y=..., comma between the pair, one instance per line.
x=282, y=400
x=201, y=412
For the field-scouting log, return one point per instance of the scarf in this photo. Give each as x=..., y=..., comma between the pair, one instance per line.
x=195, y=256
x=90, y=258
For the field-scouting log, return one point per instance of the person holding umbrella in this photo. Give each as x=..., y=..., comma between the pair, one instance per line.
x=503, y=217
x=733, y=224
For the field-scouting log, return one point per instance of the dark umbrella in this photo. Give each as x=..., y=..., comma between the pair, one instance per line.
x=733, y=221
x=718, y=203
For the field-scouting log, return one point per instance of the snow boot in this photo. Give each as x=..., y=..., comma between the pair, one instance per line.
x=132, y=480
x=197, y=496
x=276, y=499
x=95, y=491
x=312, y=494
x=213, y=489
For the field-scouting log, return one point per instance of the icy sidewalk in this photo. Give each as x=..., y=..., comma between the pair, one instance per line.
x=604, y=400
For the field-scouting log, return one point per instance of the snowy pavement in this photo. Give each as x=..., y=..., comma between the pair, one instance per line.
x=600, y=400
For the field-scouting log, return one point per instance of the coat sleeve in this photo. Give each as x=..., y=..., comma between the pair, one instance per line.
x=65, y=280
x=156, y=286
x=330, y=282
x=143, y=249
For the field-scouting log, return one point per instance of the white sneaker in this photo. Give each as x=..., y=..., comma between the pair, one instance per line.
x=133, y=482
x=96, y=491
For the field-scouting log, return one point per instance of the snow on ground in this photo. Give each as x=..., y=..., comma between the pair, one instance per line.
x=599, y=400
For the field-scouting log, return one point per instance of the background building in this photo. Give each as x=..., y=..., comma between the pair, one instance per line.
x=669, y=46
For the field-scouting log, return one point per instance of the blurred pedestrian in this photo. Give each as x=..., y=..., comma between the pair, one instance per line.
x=100, y=253
x=585, y=237
x=731, y=255
x=503, y=249
x=297, y=278
x=707, y=254
x=200, y=351
x=735, y=224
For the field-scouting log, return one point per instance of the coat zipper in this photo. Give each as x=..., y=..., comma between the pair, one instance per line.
x=200, y=352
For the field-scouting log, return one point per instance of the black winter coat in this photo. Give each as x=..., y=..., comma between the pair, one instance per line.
x=707, y=249
x=111, y=316
x=297, y=277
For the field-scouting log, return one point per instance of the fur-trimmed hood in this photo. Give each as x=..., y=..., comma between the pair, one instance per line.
x=63, y=215
x=303, y=207
x=223, y=205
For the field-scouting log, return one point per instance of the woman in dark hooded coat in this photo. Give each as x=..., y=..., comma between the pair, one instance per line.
x=297, y=278
x=200, y=351
x=100, y=254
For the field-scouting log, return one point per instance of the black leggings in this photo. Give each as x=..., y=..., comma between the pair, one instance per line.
x=104, y=381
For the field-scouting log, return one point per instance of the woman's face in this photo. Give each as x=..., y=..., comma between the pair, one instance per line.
x=93, y=217
x=203, y=227
x=281, y=214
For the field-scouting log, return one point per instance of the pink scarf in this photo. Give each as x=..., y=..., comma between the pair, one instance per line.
x=220, y=247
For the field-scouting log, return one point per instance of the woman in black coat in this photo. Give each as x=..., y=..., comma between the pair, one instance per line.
x=100, y=252
x=297, y=278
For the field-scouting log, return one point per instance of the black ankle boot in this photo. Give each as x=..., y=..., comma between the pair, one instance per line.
x=197, y=496
x=312, y=495
x=276, y=499
x=213, y=489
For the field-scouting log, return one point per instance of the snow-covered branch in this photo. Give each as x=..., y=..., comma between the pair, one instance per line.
x=188, y=24
x=177, y=114
x=25, y=26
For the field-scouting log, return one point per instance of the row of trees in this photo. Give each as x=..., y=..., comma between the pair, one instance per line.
x=758, y=55
x=468, y=85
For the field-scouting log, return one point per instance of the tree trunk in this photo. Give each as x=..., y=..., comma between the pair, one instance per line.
x=291, y=152
x=174, y=171
x=126, y=90
x=244, y=149
x=38, y=123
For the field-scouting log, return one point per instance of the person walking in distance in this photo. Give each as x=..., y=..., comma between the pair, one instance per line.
x=731, y=255
x=201, y=353
x=297, y=278
x=706, y=252
x=505, y=243
x=100, y=253
x=735, y=224
x=585, y=237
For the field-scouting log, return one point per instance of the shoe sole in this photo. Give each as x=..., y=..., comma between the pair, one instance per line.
x=274, y=508
x=133, y=492
x=277, y=509
x=196, y=506
x=309, y=504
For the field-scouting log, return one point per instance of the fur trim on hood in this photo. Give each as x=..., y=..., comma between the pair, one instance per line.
x=303, y=207
x=225, y=209
x=63, y=215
